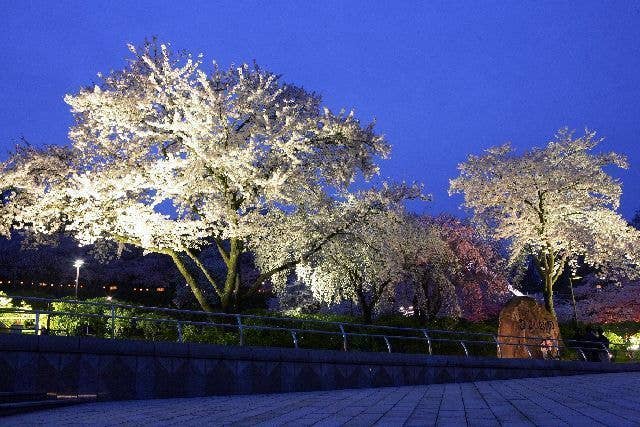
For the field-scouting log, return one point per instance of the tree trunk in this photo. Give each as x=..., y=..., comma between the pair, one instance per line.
x=365, y=308
x=573, y=302
x=367, y=315
x=418, y=312
x=548, y=293
x=545, y=264
x=191, y=281
x=228, y=293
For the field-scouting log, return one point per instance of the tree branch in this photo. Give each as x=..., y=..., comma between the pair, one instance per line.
x=223, y=252
x=290, y=264
x=204, y=270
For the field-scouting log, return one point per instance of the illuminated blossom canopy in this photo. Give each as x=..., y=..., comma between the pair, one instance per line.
x=366, y=264
x=172, y=159
x=555, y=203
x=480, y=279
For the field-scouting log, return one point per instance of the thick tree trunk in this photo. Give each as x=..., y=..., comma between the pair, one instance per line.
x=367, y=314
x=365, y=308
x=548, y=296
x=228, y=294
x=545, y=264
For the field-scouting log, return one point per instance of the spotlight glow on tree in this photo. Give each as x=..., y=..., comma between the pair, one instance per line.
x=172, y=159
x=555, y=203
x=366, y=264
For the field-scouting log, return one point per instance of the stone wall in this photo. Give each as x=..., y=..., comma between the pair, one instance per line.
x=115, y=369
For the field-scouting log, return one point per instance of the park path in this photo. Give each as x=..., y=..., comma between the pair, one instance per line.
x=585, y=400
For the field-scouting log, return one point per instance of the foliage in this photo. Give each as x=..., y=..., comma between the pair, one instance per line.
x=599, y=301
x=145, y=326
x=171, y=159
x=7, y=315
x=209, y=335
x=95, y=319
x=440, y=266
x=555, y=203
x=79, y=318
x=480, y=280
x=367, y=263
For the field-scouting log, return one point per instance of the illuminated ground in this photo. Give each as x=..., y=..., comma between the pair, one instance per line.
x=609, y=399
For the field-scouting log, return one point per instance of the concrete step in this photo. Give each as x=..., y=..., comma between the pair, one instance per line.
x=48, y=402
x=11, y=396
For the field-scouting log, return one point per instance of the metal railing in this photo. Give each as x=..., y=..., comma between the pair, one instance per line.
x=351, y=336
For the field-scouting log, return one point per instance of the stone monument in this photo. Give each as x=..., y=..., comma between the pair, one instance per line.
x=527, y=330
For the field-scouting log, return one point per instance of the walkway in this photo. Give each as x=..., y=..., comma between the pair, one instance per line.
x=604, y=399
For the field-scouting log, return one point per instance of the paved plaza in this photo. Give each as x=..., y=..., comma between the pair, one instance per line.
x=602, y=399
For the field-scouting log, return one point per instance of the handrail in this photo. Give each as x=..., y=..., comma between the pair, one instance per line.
x=236, y=322
x=249, y=326
x=417, y=331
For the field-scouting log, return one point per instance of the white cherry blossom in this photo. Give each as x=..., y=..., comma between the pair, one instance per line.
x=556, y=203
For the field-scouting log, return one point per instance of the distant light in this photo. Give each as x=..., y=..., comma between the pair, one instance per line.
x=406, y=311
x=79, y=263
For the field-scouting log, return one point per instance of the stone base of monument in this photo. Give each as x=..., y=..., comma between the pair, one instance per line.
x=527, y=330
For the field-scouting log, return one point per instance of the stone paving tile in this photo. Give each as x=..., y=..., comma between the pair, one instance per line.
x=586, y=400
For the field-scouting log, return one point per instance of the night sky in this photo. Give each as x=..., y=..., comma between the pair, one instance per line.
x=443, y=79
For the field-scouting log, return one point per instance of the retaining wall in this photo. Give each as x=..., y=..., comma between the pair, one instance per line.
x=116, y=369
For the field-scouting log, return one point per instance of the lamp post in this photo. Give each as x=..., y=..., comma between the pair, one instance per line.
x=77, y=265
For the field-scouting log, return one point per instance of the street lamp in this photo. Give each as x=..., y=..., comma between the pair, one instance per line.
x=79, y=263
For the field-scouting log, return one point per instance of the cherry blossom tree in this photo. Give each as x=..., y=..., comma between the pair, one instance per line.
x=172, y=159
x=555, y=203
x=366, y=264
x=480, y=280
x=431, y=268
x=603, y=301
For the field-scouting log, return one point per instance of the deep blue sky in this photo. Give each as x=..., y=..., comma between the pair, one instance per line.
x=443, y=79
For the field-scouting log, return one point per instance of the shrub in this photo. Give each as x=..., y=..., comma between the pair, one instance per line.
x=8, y=317
x=79, y=319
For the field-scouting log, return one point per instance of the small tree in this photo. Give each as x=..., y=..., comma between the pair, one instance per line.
x=431, y=268
x=554, y=203
x=480, y=281
x=367, y=263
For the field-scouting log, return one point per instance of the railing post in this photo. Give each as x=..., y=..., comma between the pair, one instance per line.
x=499, y=350
x=37, y=327
x=344, y=338
x=609, y=355
x=49, y=318
x=584, y=356
x=113, y=322
x=179, y=331
x=240, y=329
x=464, y=347
x=295, y=338
x=426, y=335
x=386, y=340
